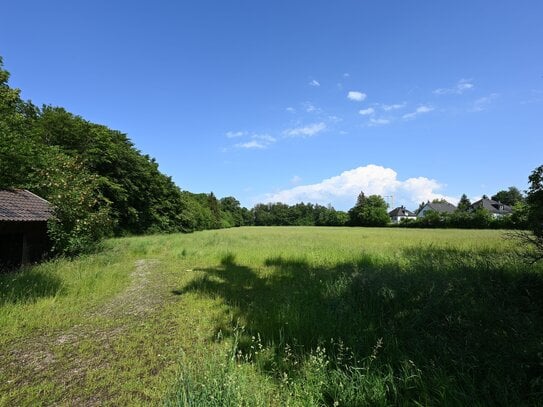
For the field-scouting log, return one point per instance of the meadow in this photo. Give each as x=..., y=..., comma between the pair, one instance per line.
x=258, y=316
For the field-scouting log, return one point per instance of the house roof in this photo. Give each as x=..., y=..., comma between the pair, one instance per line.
x=442, y=207
x=400, y=211
x=20, y=205
x=493, y=206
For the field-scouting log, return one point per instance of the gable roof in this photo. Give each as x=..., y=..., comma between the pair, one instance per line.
x=493, y=206
x=400, y=211
x=20, y=205
x=442, y=207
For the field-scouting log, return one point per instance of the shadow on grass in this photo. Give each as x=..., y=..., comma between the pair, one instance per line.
x=471, y=321
x=27, y=286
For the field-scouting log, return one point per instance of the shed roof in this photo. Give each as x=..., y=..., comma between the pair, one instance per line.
x=20, y=205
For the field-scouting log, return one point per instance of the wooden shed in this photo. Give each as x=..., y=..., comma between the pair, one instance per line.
x=23, y=227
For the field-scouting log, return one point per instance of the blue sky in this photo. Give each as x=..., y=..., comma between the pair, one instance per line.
x=299, y=100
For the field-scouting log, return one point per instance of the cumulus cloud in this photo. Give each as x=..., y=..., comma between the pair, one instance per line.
x=342, y=190
x=356, y=96
x=367, y=112
x=306, y=131
x=314, y=83
x=420, y=110
x=461, y=86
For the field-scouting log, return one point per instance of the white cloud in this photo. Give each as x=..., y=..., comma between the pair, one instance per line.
x=295, y=180
x=418, y=111
x=356, y=96
x=256, y=141
x=264, y=137
x=306, y=131
x=310, y=108
x=461, y=86
x=483, y=103
x=395, y=106
x=366, y=112
x=235, y=134
x=346, y=75
x=314, y=83
x=379, y=122
x=290, y=109
x=253, y=144
x=342, y=190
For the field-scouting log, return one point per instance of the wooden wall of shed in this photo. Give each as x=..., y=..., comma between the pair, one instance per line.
x=20, y=241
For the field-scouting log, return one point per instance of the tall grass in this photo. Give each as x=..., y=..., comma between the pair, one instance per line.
x=436, y=321
x=302, y=316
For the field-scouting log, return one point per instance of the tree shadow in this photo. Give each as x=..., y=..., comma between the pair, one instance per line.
x=474, y=317
x=27, y=286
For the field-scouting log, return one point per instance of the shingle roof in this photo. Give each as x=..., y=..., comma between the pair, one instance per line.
x=442, y=207
x=400, y=211
x=20, y=205
x=493, y=206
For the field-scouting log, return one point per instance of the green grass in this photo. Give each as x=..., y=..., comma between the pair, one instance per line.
x=279, y=316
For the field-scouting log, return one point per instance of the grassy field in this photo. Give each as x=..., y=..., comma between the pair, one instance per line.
x=278, y=316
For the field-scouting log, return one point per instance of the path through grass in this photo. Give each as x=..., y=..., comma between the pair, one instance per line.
x=279, y=316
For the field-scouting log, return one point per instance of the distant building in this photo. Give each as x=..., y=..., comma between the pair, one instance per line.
x=396, y=215
x=23, y=227
x=496, y=208
x=439, y=207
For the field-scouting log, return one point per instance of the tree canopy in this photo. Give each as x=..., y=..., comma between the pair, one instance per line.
x=369, y=211
x=509, y=197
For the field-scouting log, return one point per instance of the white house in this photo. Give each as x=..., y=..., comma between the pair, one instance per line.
x=399, y=213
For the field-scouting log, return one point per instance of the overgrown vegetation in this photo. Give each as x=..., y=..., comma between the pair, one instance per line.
x=278, y=316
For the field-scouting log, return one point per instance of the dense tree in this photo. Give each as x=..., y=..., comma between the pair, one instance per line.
x=81, y=216
x=232, y=213
x=534, y=200
x=464, y=204
x=369, y=211
x=509, y=197
x=20, y=152
x=301, y=214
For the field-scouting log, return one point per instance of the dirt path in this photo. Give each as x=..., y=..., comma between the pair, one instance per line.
x=58, y=357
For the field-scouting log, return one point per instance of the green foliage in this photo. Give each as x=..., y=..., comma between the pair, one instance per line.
x=301, y=214
x=479, y=218
x=510, y=197
x=81, y=218
x=464, y=204
x=369, y=211
x=534, y=201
